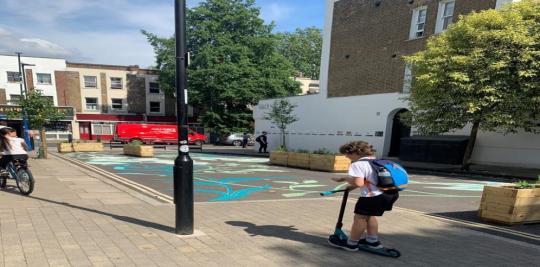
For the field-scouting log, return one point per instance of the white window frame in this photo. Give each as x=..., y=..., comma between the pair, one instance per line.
x=15, y=77
x=413, y=34
x=407, y=79
x=96, y=105
x=115, y=85
x=441, y=17
x=14, y=99
x=150, y=107
x=41, y=81
x=121, y=104
x=150, y=88
x=86, y=84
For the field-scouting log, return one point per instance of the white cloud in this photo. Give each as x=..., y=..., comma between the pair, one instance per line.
x=276, y=11
x=10, y=43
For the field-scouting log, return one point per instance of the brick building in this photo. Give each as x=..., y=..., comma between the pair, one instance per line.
x=363, y=80
x=96, y=96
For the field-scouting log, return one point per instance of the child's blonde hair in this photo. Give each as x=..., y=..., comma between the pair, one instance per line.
x=360, y=148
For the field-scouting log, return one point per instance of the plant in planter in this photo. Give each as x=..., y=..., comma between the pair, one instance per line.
x=138, y=149
x=299, y=159
x=279, y=156
x=511, y=204
x=324, y=160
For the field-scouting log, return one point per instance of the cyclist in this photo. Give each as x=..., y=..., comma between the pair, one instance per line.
x=12, y=147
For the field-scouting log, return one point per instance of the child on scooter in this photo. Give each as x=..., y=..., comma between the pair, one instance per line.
x=372, y=202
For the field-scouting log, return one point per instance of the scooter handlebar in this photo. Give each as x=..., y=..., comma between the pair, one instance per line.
x=329, y=193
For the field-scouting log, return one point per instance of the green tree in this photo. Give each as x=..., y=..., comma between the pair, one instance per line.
x=282, y=115
x=484, y=71
x=235, y=63
x=303, y=48
x=39, y=110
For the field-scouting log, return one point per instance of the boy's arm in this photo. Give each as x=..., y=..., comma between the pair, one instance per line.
x=353, y=181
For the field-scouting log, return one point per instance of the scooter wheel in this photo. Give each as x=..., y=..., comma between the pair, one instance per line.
x=393, y=253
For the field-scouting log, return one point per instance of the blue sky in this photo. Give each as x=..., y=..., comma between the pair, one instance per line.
x=108, y=31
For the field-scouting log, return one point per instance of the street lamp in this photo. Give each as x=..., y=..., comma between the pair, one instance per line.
x=26, y=125
x=183, y=165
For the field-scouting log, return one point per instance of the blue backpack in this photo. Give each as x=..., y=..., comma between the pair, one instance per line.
x=391, y=176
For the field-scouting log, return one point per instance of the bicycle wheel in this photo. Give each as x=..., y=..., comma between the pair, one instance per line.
x=25, y=181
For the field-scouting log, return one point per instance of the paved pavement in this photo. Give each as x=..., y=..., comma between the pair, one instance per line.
x=76, y=217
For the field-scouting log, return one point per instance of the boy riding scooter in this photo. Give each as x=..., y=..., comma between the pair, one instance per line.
x=365, y=173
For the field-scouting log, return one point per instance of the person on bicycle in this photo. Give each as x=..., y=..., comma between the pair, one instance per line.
x=12, y=147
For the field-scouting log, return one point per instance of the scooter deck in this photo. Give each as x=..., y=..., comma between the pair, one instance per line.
x=387, y=252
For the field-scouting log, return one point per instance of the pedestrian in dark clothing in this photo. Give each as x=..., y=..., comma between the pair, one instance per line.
x=245, y=139
x=263, y=142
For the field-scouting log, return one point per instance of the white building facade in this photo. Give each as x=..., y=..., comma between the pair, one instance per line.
x=328, y=121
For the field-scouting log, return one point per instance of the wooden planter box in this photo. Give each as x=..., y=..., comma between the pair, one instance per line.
x=279, y=158
x=65, y=147
x=510, y=206
x=299, y=160
x=87, y=147
x=329, y=163
x=138, y=150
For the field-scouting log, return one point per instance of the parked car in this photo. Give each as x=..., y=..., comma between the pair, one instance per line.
x=236, y=139
x=154, y=134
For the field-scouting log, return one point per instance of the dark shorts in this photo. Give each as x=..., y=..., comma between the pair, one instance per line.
x=375, y=206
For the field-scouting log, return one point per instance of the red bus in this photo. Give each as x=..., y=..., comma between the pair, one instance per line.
x=154, y=134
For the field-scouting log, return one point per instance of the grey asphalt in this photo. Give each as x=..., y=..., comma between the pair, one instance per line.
x=225, y=178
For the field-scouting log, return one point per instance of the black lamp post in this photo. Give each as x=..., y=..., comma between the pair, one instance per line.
x=25, y=123
x=183, y=165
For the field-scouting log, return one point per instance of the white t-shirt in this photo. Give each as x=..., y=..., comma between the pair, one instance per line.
x=363, y=170
x=16, y=145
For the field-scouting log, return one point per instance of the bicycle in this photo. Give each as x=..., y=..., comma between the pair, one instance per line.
x=18, y=169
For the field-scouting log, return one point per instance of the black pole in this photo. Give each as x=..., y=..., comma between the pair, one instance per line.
x=21, y=75
x=183, y=165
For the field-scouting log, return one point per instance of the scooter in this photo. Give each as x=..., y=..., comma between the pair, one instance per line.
x=339, y=234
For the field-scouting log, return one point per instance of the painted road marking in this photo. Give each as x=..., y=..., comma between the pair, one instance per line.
x=142, y=188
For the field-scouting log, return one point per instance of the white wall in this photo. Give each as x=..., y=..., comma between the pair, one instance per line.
x=357, y=118
x=42, y=65
x=362, y=116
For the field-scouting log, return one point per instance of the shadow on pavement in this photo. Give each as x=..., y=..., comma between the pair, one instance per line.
x=127, y=219
x=283, y=232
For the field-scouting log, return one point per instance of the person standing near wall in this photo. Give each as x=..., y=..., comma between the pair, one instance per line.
x=263, y=142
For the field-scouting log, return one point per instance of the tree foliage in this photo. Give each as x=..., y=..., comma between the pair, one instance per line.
x=235, y=63
x=482, y=71
x=282, y=115
x=303, y=48
x=39, y=111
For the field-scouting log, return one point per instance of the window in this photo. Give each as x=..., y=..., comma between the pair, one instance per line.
x=154, y=88
x=116, y=83
x=102, y=129
x=445, y=15
x=155, y=107
x=418, y=23
x=407, y=79
x=43, y=78
x=13, y=77
x=14, y=99
x=117, y=104
x=91, y=103
x=90, y=81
